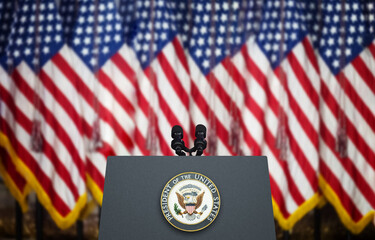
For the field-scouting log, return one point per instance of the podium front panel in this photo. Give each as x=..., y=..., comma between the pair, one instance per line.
x=134, y=184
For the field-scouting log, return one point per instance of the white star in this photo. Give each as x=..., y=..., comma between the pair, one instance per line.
x=165, y=25
x=205, y=64
x=107, y=38
x=163, y=36
x=110, y=5
x=235, y=5
x=117, y=38
x=348, y=51
x=145, y=47
x=90, y=19
x=267, y=47
x=87, y=40
x=29, y=40
x=79, y=30
x=222, y=29
x=220, y=40
x=353, y=18
x=30, y=29
x=223, y=17
x=200, y=41
x=218, y=52
x=109, y=16
x=333, y=30
x=27, y=51
x=85, y=51
x=49, y=28
x=89, y=30
x=352, y=29
x=100, y=29
x=273, y=58
x=108, y=28
x=338, y=52
x=336, y=63
x=16, y=53
x=105, y=50
x=275, y=47
x=57, y=38
x=45, y=50
x=101, y=18
x=328, y=53
x=23, y=19
x=225, y=6
x=359, y=40
x=144, y=58
x=261, y=36
x=51, y=6
x=331, y=41
x=19, y=41
x=101, y=7
x=47, y=39
x=293, y=36
x=270, y=36
x=93, y=61
x=208, y=52
x=77, y=41
x=199, y=7
x=81, y=20
x=198, y=53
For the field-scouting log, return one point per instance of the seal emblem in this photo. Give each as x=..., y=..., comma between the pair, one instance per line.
x=190, y=201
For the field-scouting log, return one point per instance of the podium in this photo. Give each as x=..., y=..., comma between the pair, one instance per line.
x=137, y=189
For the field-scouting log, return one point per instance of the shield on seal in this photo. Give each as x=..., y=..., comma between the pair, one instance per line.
x=190, y=209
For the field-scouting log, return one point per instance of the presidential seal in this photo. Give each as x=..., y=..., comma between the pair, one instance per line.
x=190, y=201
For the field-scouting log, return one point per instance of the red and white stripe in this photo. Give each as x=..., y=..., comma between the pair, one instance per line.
x=352, y=179
x=58, y=173
x=10, y=175
x=293, y=181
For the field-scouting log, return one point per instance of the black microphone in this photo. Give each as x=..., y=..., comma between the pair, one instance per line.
x=200, y=143
x=177, y=143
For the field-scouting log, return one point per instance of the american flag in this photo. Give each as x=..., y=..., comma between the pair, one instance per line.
x=292, y=80
x=12, y=178
x=343, y=35
x=39, y=114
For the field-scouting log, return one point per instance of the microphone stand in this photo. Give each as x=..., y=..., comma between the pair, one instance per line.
x=199, y=143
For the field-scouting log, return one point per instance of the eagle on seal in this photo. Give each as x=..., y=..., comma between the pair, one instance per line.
x=190, y=203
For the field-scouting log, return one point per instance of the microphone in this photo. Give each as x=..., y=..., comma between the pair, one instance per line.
x=177, y=143
x=200, y=143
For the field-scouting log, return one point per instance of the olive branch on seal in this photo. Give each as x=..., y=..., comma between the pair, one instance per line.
x=176, y=209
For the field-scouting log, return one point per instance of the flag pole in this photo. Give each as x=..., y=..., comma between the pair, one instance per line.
x=19, y=221
x=39, y=220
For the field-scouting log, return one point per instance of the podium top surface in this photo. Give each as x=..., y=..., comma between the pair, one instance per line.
x=134, y=185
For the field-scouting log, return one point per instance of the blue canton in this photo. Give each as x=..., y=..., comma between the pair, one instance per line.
x=275, y=38
x=156, y=34
x=68, y=10
x=45, y=29
x=127, y=10
x=6, y=17
x=338, y=48
x=211, y=33
x=96, y=43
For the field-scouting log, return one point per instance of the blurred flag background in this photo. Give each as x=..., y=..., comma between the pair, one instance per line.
x=294, y=80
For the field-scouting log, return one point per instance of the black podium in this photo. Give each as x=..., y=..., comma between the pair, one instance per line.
x=134, y=207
